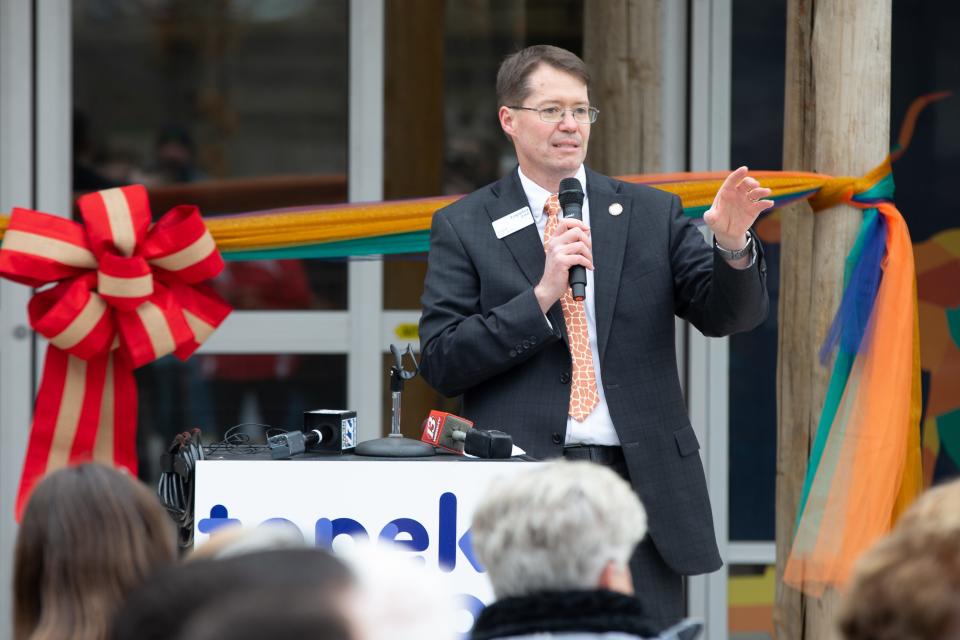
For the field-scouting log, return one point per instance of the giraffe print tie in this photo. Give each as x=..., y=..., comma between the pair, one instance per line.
x=583, y=391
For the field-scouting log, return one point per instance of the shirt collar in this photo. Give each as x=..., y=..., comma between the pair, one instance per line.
x=537, y=195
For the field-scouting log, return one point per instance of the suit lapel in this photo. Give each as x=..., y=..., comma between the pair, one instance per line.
x=609, y=233
x=525, y=245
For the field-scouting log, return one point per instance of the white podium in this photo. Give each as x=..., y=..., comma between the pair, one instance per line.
x=424, y=505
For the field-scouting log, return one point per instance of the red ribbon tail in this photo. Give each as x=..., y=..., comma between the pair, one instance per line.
x=125, y=413
x=85, y=410
x=46, y=409
x=88, y=424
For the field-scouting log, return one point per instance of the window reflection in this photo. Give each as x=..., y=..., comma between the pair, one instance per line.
x=233, y=106
x=756, y=134
x=214, y=392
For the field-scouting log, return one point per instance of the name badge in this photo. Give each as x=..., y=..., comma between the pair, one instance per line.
x=512, y=222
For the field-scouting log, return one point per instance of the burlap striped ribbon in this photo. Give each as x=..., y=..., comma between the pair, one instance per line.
x=124, y=293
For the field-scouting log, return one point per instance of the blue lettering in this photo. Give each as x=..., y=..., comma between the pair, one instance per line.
x=472, y=605
x=419, y=539
x=447, y=538
x=466, y=546
x=404, y=532
x=447, y=541
x=219, y=517
x=326, y=531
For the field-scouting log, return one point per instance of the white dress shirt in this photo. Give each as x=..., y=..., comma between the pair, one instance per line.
x=596, y=428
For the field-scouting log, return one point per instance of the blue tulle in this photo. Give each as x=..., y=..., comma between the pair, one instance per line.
x=863, y=281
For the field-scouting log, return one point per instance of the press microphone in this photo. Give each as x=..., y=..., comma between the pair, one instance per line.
x=293, y=443
x=458, y=435
x=488, y=443
x=324, y=430
x=338, y=426
x=447, y=431
x=571, y=201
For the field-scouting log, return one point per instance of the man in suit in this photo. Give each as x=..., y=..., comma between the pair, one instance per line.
x=595, y=379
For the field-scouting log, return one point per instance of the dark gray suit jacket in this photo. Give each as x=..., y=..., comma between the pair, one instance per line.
x=482, y=335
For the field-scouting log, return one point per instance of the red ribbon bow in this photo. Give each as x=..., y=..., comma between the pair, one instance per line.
x=126, y=293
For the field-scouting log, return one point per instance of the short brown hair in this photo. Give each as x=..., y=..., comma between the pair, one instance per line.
x=89, y=535
x=907, y=587
x=515, y=71
x=935, y=510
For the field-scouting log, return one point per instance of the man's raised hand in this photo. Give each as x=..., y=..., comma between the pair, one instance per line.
x=735, y=208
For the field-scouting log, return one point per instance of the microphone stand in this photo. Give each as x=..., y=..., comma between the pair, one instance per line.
x=396, y=445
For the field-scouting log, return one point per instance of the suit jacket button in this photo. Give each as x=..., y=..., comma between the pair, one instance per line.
x=533, y=339
x=512, y=354
x=564, y=378
x=526, y=344
x=557, y=439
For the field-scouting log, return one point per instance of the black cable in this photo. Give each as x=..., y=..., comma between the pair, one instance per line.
x=175, y=488
x=239, y=443
x=178, y=470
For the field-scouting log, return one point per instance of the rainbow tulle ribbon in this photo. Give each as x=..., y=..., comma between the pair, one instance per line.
x=865, y=464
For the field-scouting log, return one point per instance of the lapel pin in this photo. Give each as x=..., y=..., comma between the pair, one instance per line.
x=615, y=209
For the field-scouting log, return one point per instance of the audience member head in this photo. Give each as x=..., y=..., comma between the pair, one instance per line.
x=238, y=540
x=89, y=535
x=936, y=511
x=276, y=615
x=907, y=587
x=398, y=598
x=163, y=608
x=564, y=526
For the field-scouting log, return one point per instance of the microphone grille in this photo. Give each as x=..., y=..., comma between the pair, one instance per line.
x=570, y=192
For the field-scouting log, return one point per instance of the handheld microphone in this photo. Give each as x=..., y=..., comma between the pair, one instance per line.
x=447, y=431
x=571, y=200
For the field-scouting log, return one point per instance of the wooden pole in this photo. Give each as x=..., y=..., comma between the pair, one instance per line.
x=413, y=88
x=837, y=122
x=413, y=124
x=413, y=160
x=621, y=45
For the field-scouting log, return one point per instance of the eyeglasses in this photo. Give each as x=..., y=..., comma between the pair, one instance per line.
x=583, y=115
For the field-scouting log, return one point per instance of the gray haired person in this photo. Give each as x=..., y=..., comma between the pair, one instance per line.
x=556, y=543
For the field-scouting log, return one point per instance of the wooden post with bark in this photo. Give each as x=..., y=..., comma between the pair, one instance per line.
x=837, y=122
x=621, y=45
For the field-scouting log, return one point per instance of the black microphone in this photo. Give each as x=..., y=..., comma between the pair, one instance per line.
x=571, y=200
x=337, y=426
x=293, y=443
x=488, y=443
x=324, y=430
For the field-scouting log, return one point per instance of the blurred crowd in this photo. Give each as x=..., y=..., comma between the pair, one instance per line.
x=96, y=558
